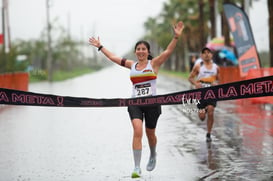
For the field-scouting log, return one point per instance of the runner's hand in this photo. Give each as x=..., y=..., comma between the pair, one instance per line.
x=95, y=42
x=198, y=85
x=178, y=28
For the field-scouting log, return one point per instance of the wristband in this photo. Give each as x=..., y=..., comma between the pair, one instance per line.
x=176, y=37
x=100, y=47
x=123, y=60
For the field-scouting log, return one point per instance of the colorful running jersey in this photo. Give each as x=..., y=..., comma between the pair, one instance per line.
x=144, y=81
x=207, y=76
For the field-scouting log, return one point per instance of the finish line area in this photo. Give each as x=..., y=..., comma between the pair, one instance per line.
x=76, y=143
x=258, y=87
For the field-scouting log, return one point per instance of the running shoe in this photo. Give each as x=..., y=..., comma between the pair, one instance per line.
x=151, y=164
x=208, y=137
x=136, y=173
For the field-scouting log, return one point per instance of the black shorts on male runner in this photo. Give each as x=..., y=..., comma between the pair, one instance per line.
x=150, y=113
x=204, y=103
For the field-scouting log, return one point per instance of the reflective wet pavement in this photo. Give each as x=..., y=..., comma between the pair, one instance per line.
x=42, y=144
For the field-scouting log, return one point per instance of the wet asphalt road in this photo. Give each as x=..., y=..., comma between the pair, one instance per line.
x=80, y=144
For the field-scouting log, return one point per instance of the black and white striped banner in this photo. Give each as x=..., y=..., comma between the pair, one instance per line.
x=258, y=87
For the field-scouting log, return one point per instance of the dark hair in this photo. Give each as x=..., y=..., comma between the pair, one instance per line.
x=204, y=49
x=147, y=45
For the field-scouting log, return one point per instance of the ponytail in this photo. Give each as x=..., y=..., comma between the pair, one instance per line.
x=150, y=57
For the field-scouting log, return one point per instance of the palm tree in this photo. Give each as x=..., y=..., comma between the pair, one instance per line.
x=201, y=23
x=212, y=18
x=152, y=31
x=225, y=29
x=270, y=11
x=195, y=31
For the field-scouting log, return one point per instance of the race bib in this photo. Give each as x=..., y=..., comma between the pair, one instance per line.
x=143, y=90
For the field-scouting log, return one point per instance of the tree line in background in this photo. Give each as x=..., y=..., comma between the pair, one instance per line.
x=199, y=18
x=31, y=55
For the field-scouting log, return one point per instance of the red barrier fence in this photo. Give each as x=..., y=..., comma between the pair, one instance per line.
x=230, y=74
x=18, y=81
x=262, y=72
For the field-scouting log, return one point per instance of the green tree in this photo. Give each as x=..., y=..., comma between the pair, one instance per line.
x=196, y=15
x=66, y=52
x=270, y=22
x=34, y=50
x=188, y=12
x=212, y=17
x=152, y=32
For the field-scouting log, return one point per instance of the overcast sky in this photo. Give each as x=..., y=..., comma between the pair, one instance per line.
x=119, y=23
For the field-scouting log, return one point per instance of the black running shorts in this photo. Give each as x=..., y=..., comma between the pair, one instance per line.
x=150, y=114
x=204, y=103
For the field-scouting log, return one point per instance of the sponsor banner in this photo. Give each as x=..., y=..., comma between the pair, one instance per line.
x=243, y=37
x=236, y=90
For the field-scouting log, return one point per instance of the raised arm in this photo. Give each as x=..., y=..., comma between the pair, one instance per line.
x=177, y=29
x=111, y=56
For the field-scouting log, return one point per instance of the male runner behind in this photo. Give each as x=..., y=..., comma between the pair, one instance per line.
x=205, y=74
